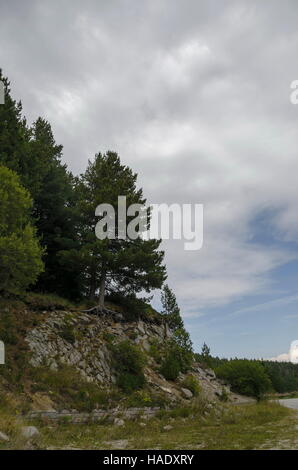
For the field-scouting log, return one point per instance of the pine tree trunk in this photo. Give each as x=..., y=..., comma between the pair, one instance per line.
x=102, y=287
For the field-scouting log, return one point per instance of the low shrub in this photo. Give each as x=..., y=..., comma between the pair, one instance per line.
x=130, y=382
x=108, y=337
x=170, y=367
x=156, y=350
x=67, y=332
x=224, y=396
x=129, y=362
x=8, y=328
x=192, y=384
x=176, y=359
x=140, y=398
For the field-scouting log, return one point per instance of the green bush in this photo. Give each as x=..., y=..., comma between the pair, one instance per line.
x=177, y=412
x=156, y=350
x=224, y=396
x=108, y=337
x=67, y=332
x=8, y=328
x=130, y=382
x=140, y=398
x=192, y=384
x=20, y=251
x=176, y=359
x=145, y=398
x=184, y=358
x=245, y=377
x=129, y=362
x=170, y=367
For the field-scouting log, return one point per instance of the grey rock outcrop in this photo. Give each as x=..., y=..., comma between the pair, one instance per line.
x=81, y=340
x=78, y=340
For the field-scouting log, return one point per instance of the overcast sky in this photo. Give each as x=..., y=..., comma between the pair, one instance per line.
x=195, y=96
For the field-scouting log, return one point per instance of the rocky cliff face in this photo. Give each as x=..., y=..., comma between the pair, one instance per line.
x=81, y=340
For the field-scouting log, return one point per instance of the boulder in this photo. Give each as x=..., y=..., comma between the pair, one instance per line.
x=120, y=444
x=3, y=437
x=168, y=427
x=119, y=422
x=186, y=393
x=29, y=431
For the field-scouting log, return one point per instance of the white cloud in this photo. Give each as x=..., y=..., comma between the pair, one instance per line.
x=196, y=102
x=281, y=358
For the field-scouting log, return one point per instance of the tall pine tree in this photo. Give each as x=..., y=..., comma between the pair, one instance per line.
x=54, y=211
x=121, y=265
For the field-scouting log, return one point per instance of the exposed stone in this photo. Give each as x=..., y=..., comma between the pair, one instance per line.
x=3, y=437
x=29, y=431
x=119, y=422
x=146, y=345
x=141, y=327
x=96, y=415
x=120, y=444
x=166, y=389
x=210, y=373
x=187, y=393
x=168, y=427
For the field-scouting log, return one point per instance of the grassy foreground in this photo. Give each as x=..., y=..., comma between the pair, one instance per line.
x=258, y=426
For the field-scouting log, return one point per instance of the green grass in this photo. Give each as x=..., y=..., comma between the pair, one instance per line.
x=258, y=426
x=10, y=424
x=192, y=384
x=263, y=425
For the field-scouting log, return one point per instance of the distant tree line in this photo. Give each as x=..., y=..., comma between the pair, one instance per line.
x=253, y=377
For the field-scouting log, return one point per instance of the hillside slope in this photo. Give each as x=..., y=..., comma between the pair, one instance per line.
x=57, y=359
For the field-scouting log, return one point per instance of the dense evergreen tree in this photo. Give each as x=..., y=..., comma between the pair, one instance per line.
x=54, y=211
x=119, y=264
x=16, y=149
x=14, y=134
